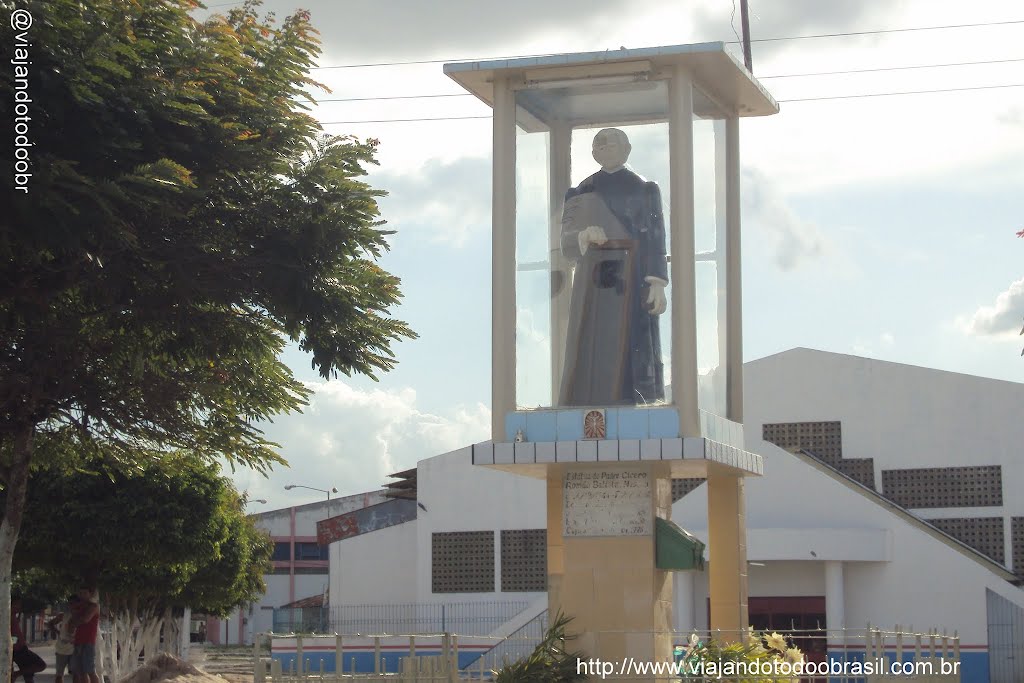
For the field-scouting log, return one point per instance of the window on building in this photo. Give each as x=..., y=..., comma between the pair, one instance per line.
x=310, y=551
x=524, y=560
x=824, y=441
x=311, y=570
x=282, y=551
x=281, y=570
x=945, y=487
x=984, y=534
x=462, y=562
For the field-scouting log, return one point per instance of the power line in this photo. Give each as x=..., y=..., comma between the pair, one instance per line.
x=903, y=92
x=729, y=42
x=846, y=34
x=413, y=120
x=390, y=97
x=774, y=76
x=799, y=99
x=893, y=68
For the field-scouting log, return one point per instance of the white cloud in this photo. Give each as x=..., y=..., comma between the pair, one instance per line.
x=446, y=201
x=1002, y=319
x=353, y=439
x=793, y=240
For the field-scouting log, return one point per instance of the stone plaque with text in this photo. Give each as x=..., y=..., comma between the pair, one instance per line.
x=607, y=502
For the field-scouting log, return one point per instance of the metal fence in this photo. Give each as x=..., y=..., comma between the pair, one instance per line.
x=870, y=655
x=481, y=618
x=302, y=620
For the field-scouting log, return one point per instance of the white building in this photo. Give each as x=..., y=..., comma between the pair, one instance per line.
x=900, y=508
x=299, y=566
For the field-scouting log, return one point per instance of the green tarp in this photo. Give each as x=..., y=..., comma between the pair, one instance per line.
x=675, y=549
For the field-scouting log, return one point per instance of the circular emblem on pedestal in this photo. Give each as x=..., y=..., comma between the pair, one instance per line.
x=594, y=425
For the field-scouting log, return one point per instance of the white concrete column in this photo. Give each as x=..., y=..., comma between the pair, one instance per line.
x=559, y=179
x=685, y=600
x=835, y=597
x=734, y=287
x=503, y=257
x=684, y=287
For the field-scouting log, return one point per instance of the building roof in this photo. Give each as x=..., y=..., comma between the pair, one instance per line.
x=915, y=521
x=850, y=358
x=312, y=601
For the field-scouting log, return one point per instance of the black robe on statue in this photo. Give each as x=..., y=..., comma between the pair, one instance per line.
x=613, y=344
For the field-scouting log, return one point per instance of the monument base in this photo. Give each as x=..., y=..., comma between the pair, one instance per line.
x=602, y=499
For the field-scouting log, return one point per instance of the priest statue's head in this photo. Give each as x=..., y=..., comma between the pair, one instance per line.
x=611, y=149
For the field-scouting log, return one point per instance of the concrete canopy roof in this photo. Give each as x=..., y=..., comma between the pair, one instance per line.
x=569, y=87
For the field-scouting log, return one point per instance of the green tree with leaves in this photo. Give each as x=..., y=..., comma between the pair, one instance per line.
x=185, y=219
x=169, y=534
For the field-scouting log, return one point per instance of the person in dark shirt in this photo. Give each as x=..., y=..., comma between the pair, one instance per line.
x=27, y=661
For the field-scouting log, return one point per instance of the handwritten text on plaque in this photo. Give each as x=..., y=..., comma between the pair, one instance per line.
x=612, y=502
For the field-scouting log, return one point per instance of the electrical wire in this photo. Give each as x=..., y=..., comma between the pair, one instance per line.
x=730, y=42
x=793, y=100
x=773, y=76
x=902, y=92
x=893, y=68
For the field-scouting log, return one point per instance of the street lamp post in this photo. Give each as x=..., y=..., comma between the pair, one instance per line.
x=333, y=489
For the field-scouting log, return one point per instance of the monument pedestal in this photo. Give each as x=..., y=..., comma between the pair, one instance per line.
x=603, y=498
x=601, y=559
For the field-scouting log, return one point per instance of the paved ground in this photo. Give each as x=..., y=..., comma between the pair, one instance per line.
x=229, y=669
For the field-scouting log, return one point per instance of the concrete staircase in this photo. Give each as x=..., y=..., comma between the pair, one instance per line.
x=221, y=659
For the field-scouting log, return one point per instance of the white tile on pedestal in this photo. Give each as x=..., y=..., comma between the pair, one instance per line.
x=565, y=451
x=693, y=448
x=671, y=449
x=608, y=451
x=504, y=454
x=586, y=451
x=525, y=452
x=650, y=449
x=629, y=449
x=545, y=452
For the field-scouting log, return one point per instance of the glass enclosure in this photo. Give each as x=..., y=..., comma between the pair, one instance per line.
x=593, y=296
x=710, y=263
x=592, y=291
x=590, y=153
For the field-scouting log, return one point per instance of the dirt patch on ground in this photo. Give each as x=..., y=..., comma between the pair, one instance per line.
x=165, y=668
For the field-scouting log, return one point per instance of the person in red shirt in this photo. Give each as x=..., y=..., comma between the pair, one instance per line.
x=86, y=622
x=29, y=663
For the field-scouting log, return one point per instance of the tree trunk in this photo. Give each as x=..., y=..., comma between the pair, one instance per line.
x=10, y=527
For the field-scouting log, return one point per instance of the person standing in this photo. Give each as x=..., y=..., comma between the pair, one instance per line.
x=86, y=622
x=64, y=641
x=28, y=662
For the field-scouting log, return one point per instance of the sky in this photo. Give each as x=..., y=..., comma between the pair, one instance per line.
x=880, y=226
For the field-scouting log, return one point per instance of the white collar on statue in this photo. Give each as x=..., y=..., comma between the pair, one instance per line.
x=614, y=170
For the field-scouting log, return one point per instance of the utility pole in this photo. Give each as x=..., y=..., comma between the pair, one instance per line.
x=745, y=27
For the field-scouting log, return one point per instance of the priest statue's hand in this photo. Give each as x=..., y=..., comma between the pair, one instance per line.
x=656, y=301
x=593, y=234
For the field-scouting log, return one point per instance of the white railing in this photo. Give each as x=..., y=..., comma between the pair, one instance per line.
x=869, y=655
